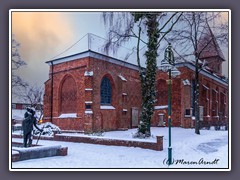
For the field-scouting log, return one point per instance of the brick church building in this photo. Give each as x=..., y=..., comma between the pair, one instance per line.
x=90, y=91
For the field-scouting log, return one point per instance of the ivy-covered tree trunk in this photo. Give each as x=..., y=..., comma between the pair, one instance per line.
x=155, y=34
x=196, y=101
x=197, y=125
x=148, y=78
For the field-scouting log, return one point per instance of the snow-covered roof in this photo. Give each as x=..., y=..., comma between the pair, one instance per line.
x=18, y=114
x=93, y=46
x=118, y=59
x=202, y=72
x=209, y=49
x=96, y=55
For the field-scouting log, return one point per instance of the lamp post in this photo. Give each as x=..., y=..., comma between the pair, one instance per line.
x=167, y=65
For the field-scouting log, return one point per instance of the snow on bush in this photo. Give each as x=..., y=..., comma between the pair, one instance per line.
x=140, y=135
x=48, y=129
x=97, y=133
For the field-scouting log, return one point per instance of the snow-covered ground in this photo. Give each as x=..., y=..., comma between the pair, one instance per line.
x=208, y=150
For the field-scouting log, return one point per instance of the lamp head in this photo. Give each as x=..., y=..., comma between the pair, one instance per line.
x=168, y=55
x=165, y=66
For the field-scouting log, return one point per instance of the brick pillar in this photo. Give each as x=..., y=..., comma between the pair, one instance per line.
x=159, y=143
x=88, y=124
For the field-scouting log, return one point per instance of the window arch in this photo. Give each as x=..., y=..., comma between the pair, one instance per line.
x=106, y=91
x=193, y=98
x=205, y=99
x=68, y=95
x=162, y=92
x=214, y=102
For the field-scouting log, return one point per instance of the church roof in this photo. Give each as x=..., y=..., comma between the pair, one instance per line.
x=109, y=59
x=93, y=54
x=208, y=45
x=204, y=72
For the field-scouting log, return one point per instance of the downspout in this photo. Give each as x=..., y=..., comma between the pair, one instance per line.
x=52, y=92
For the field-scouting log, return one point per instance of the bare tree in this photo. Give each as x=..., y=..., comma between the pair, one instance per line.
x=17, y=63
x=34, y=96
x=149, y=29
x=186, y=39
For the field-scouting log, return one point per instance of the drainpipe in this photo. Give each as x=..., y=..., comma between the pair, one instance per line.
x=52, y=94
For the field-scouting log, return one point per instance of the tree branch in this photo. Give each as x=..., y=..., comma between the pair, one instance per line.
x=169, y=30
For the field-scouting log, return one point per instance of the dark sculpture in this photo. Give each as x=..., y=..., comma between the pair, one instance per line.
x=27, y=125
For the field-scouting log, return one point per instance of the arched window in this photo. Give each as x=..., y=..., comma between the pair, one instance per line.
x=214, y=103
x=162, y=92
x=68, y=96
x=106, y=91
x=205, y=99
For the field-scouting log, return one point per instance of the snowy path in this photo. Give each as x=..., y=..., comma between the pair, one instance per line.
x=188, y=148
x=213, y=146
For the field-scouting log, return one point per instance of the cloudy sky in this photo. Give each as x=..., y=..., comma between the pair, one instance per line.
x=43, y=35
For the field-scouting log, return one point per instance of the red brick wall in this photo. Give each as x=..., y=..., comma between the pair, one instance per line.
x=181, y=98
x=215, y=64
x=206, y=81
x=114, y=119
x=176, y=100
x=213, y=85
x=109, y=119
x=19, y=106
x=117, y=119
x=76, y=70
x=100, y=119
x=67, y=95
x=158, y=145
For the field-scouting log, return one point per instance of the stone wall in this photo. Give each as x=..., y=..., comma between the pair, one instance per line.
x=158, y=145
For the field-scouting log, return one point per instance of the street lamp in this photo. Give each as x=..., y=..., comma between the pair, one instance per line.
x=167, y=65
